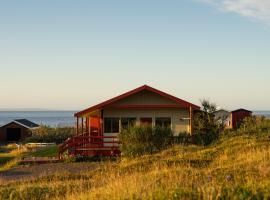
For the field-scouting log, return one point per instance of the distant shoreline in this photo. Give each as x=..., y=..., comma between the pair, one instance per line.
x=35, y=110
x=60, y=118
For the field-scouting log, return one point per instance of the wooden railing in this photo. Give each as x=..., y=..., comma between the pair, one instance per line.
x=88, y=142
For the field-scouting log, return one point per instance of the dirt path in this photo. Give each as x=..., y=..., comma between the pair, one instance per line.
x=35, y=171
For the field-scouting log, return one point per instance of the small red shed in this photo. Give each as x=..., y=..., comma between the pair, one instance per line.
x=237, y=117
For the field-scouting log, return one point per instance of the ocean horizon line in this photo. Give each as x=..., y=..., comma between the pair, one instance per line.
x=36, y=110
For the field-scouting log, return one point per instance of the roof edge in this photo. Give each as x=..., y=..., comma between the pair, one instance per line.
x=139, y=89
x=14, y=121
x=241, y=109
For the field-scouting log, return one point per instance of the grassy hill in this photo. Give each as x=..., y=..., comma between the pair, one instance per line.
x=237, y=167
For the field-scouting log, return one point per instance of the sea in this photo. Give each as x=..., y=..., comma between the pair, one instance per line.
x=59, y=118
x=262, y=113
x=48, y=118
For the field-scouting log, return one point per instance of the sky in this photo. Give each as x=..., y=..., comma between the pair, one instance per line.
x=69, y=55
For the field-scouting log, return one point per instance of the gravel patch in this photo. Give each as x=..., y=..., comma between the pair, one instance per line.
x=36, y=171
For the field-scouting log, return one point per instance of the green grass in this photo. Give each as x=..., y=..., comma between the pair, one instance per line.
x=4, y=159
x=6, y=154
x=45, y=152
x=236, y=167
x=10, y=157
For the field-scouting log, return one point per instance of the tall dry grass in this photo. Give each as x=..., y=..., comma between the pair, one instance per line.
x=236, y=167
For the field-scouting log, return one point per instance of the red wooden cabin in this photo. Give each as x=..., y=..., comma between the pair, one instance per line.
x=99, y=125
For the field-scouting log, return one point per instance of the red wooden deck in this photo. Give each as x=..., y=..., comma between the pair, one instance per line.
x=85, y=145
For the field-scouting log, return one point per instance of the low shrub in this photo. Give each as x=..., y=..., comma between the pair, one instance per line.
x=255, y=125
x=140, y=140
x=252, y=126
x=199, y=138
x=183, y=138
x=45, y=134
x=205, y=138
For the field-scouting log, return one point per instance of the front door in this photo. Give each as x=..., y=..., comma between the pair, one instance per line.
x=95, y=126
x=95, y=130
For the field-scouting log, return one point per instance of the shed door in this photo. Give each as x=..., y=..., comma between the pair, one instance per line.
x=13, y=134
x=95, y=126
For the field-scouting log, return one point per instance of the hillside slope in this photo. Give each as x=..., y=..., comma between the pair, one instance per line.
x=237, y=167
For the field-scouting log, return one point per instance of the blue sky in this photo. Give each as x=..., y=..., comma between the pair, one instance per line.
x=72, y=54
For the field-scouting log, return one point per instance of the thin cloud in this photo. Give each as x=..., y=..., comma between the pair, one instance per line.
x=258, y=10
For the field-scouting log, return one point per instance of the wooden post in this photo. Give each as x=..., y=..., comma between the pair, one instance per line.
x=82, y=124
x=86, y=125
x=191, y=120
x=231, y=121
x=89, y=126
x=101, y=126
x=101, y=123
x=77, y=126
x=89, y=130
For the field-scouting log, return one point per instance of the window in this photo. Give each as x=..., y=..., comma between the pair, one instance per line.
x=163, y=122
x=146, y=121
x=128, y=122
x=111, y=125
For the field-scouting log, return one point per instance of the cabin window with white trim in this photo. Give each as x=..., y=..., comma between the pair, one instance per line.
x=111, y=125
x=127, y=123
x=164, y=122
